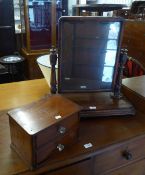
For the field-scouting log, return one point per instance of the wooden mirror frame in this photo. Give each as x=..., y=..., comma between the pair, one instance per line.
x=62, y=50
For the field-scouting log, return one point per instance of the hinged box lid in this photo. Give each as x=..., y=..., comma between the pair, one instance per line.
x=44, y=113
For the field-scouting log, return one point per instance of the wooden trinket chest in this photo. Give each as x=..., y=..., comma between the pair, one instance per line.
x=48, y=125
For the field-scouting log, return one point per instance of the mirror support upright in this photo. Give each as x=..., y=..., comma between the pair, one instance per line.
x=53, y=60
x=118, y=83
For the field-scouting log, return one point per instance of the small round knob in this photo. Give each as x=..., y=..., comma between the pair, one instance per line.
x=127, y=155
x=62, y=130
x=60, y=147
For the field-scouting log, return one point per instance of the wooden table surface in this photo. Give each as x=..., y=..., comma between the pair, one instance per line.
x=13, y=95
x=16, y=94
x=113, y=130
x=136, y=84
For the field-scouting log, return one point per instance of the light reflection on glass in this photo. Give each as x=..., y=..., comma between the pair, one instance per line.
x=114, y=30
x=40, y=23
x=39, y=14
x=91, y=58
x=110, y=58
x=107, y=74
x=112, y=44
x=111, y=51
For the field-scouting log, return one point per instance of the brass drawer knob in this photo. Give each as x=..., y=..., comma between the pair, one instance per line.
x=127, y=155
x=62, y=130
x=60, y=147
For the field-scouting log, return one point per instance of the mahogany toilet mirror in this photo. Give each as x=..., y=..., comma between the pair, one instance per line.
x=90, y=64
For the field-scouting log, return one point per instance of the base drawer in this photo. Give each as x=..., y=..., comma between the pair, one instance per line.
x=80, y=168
x=120, y=155
x=137, y=168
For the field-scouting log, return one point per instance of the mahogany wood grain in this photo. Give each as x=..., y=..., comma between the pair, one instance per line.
x=38, y=118
x=21, y=140
x=120, y=155
x=32, y=69
x=134, y=90
x=101, y=104
x=113, y=131
x=69, y=140
x=134, y=39
x=81, y=168
x=45, y=137
x=137, y=168
x=10, y=163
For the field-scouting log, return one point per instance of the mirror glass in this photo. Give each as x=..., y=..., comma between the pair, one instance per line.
x=88, y=53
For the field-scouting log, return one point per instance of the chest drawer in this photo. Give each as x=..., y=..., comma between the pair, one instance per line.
x=137, y=168
x=120, y=155
x=56, y=146
x=56, y=131
x=80, y=168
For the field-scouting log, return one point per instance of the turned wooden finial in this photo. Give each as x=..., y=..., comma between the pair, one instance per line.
x=118, y=83
x=53, y=60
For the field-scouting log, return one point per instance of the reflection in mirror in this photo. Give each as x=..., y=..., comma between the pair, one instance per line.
x=88, y=54
x=111, y=52
x=42, y=14
x=40, y=23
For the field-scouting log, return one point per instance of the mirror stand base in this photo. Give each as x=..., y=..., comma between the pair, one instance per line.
x=101, y=105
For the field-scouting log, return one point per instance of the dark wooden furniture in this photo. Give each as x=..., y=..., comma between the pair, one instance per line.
x=101, y=104
x=15, y=66
x=133, y=39
x=53, y=61
x=4, y=75
x=39, y=21
x=125, y=13
x=118, y=144
x=100, y=8
x=7, y=28
x=48, y=125
x=138, y=9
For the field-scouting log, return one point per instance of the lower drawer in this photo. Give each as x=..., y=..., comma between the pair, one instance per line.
x=57, y=146
x=120, y=155
x=137, y=168
x=79, y=168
